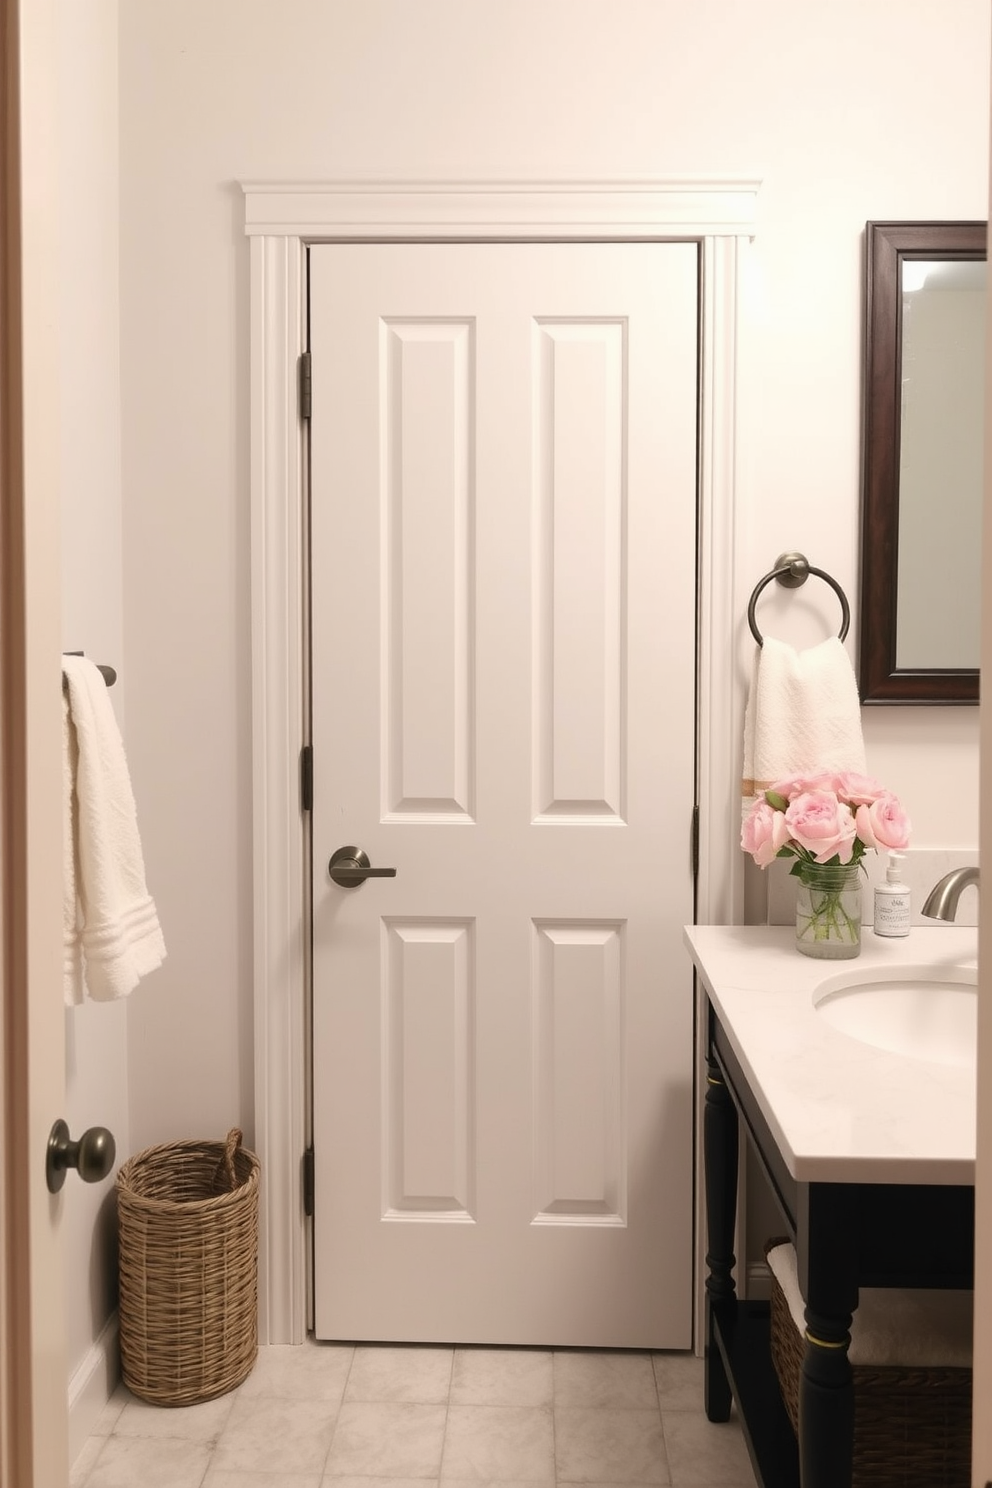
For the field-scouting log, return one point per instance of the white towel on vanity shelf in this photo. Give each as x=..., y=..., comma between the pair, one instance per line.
x=803, y=715
x=919, y=1327
x=111, y=929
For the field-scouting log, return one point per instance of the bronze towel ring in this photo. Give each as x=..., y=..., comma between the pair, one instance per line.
x=792, y=570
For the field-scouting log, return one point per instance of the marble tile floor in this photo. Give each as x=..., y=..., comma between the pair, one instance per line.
x=378, y=1416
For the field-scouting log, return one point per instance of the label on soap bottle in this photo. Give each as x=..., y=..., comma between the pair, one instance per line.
x=891, y=913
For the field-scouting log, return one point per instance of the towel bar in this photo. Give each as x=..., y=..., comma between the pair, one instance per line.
x=106, y=672
x=792, y=570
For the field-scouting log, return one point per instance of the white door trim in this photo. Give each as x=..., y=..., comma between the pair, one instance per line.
x=281, y=219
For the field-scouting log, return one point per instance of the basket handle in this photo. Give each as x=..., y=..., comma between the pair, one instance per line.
x=225, y=1178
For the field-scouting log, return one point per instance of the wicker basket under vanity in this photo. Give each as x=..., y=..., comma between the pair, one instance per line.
x=912, y=1425
x=188, y=1230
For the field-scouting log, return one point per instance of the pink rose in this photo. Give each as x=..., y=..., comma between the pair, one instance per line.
x=883, y=823
x=823, y=825
x=797, y=785
x=858, y=790
x=764, y=832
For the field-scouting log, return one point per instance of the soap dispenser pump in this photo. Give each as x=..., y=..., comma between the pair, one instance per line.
x=892, y=913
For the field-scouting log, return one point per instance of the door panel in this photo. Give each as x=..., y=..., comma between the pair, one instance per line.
x=503, y=477
x=33, y=1407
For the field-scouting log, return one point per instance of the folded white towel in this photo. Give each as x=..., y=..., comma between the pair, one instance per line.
x=111, y=928
x=919, y=1328
x=803, y=715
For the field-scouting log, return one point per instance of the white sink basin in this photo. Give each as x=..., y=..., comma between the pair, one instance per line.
x=924, y=1012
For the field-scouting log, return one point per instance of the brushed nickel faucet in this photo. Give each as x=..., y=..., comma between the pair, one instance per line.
x=942, y=900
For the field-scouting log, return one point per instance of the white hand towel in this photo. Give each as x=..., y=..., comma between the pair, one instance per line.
x=113, y=937
x=803, y=715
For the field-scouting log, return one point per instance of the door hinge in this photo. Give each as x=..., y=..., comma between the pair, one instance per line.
x=306, y=394
x=306, y=778
x=308, y=1183
x=694, y=838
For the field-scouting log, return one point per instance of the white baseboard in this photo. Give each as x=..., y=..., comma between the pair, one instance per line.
x=92, y=1383
x=758, y=1283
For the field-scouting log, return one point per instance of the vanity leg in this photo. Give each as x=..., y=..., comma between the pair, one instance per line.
x=826, y=1404
x=827, y=1260
x=720, y=1169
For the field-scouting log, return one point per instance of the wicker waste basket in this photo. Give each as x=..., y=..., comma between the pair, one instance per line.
x=912, y=1424
x=188, y=1230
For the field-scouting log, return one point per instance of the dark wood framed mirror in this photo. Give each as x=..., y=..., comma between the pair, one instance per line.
x=923, y=445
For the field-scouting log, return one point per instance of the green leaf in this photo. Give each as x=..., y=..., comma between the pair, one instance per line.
x=774, y=799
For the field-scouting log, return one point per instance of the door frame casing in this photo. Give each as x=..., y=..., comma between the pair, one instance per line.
x=281, y=220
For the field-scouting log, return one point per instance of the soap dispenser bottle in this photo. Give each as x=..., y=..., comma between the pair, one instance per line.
x=892, y=900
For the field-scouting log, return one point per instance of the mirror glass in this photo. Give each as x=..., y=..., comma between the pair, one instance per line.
x=924, y=414
x=940, y=464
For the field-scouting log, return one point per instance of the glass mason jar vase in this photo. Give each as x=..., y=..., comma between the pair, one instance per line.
x=828, y=910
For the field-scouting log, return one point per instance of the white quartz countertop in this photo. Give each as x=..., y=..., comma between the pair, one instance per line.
x=840, y=1110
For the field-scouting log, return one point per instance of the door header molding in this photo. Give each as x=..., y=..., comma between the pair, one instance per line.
x=280, y=220
x=679, y=207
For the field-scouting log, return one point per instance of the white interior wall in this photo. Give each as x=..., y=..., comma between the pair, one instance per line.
x=844, y=117
x=92, y=618
x=399, y=90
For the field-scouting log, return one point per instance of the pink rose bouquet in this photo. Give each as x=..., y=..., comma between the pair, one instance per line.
x=828, y=818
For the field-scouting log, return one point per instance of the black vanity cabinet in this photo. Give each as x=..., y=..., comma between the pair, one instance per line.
x=847, y=1234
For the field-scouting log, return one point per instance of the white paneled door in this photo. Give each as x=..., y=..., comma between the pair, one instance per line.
x=503, y=485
